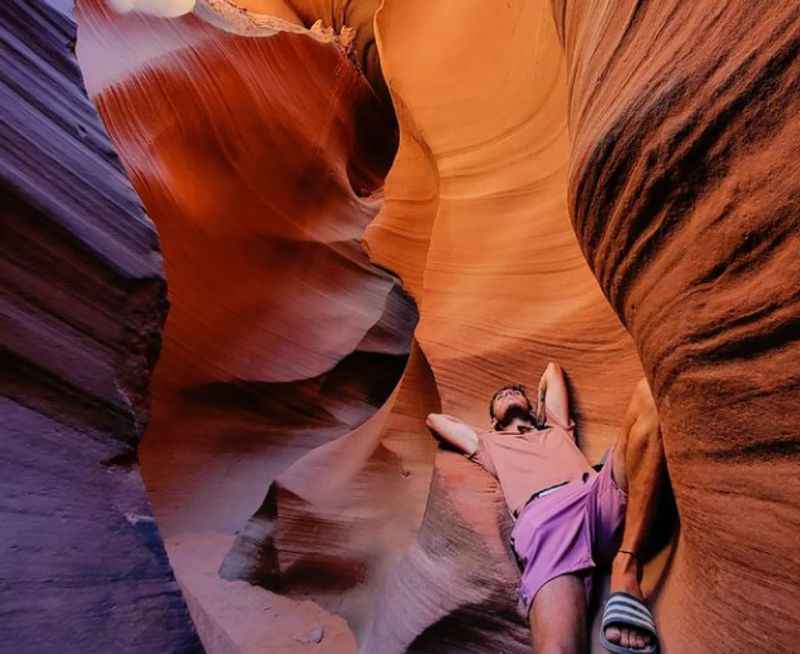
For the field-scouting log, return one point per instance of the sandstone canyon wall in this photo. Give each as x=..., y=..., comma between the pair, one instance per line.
x=474, y=222
x=259, y=148
x=683, y=195
x=368, y=211
x=83, y=568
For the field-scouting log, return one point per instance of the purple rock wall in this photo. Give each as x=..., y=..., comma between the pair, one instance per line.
x=82, y=303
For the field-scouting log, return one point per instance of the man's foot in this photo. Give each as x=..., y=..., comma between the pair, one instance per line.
x=625, y=578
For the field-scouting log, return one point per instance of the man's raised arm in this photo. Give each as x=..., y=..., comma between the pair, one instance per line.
x=456, y=432
x=553, y=397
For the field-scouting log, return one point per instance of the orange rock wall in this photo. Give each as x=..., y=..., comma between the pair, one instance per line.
x=649, y=131
x=475, y=222
x=475, y=219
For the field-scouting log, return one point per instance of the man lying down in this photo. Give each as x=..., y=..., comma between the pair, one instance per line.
x=568, y=518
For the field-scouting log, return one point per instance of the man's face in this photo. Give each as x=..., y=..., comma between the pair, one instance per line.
x=509, y=399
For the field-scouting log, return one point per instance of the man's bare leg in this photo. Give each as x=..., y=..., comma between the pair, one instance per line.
x=639, y=467
x=558, y=617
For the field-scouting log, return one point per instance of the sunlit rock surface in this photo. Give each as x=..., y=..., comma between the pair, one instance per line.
x=82, y=565
x=487, y=254
x=476, y=223
x=322, y=173
x=260, y=149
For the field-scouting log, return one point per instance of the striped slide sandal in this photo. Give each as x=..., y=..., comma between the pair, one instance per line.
x=624, y=610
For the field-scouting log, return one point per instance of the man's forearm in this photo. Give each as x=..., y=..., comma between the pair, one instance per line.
x=552, y=386
x=454, y=431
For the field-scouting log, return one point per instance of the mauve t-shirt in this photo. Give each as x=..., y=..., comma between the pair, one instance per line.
x=528, y=462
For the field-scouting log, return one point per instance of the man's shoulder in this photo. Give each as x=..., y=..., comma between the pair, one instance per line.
x=553, y=422
x=488, y=438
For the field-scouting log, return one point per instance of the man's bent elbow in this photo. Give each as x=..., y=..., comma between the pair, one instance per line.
x=430, y=421
x=434, y=423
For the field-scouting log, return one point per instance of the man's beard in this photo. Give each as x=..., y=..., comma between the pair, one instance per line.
x=515, y=411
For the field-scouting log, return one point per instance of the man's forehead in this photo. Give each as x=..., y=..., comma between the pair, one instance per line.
x=516, y=388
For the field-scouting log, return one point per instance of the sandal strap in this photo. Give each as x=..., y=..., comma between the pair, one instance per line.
x=625, y=609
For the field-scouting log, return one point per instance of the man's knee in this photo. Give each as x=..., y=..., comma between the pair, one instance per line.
x=644, y=437
x=644, y=406
x=640, y=436
x=558, y=617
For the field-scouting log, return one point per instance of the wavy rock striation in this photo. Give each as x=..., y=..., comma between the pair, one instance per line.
x=259, y=148
x=683, y=192
x=475, y=221
x=83, y=567
x=260, y=141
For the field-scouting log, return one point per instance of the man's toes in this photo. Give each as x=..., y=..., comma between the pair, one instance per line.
x=628, y=637
x=641, y=640
x=613, y=634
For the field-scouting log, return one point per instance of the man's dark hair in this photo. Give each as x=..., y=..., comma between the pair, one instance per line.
x=512, y=387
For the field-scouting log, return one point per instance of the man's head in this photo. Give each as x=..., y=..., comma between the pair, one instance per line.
x=508, y=403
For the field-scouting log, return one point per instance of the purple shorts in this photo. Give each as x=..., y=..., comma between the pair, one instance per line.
x=569, y=531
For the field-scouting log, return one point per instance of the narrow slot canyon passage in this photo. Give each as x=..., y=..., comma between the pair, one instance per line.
x=251, y=245
x=257, y=458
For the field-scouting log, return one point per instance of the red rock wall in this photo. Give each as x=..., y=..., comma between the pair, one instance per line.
x=661, y=131
x=682, y=194
x=475, y=222
x=259, y=149
x=82, y=564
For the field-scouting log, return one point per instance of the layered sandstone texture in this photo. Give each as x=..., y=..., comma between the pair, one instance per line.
x=683, y=189
x=83, y=568
x=373, y=210
x=259, y=147
x=263, y=146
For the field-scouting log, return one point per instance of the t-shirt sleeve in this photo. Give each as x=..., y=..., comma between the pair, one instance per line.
x=482, y=457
